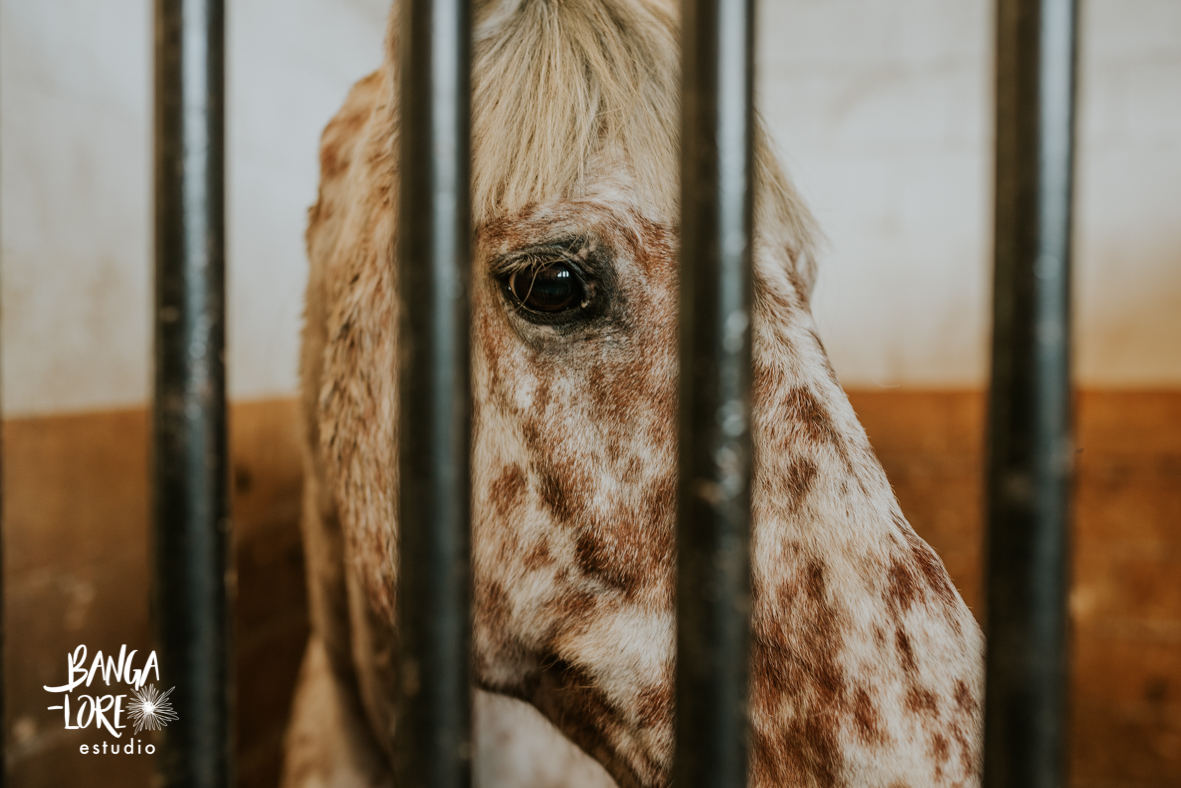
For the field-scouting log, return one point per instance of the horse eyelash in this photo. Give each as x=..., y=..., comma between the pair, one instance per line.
x=539, y=258
x=532, y=282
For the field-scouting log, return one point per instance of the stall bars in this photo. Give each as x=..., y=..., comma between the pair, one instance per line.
x=1029, y=454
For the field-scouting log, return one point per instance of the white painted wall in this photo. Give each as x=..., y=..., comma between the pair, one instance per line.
x=882, y=111
x=74, y=210
x=75, y=170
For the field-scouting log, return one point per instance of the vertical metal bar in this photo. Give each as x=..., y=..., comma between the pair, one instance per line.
x=713, y=531
x=190, y=503
x=3, y=596
x=1030, y=454
x=433, y=742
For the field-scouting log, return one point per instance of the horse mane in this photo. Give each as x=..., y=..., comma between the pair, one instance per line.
x=559, y=86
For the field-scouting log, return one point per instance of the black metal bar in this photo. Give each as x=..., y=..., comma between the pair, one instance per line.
x=1030, y=446
x=713, y=532
x=433, y=741
x=190, y=493
x=3, y=596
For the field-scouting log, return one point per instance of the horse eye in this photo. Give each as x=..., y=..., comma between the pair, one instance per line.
x=551, y=289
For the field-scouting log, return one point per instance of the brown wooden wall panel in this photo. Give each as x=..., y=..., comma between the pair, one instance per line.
x=1126, y=596
x=930, y=443
x=271, y=609
x=76, y=571
x=76, y=568
x=1126, y=599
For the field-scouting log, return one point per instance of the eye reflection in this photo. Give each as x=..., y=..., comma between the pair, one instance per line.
x=549, y=289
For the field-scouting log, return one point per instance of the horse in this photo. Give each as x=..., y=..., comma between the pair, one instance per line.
x=866, y=665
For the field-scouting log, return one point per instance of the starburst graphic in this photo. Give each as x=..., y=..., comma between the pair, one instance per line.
x=151, y=710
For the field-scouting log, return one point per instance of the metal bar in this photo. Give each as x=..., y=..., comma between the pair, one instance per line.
x=1030, y=445
x=433, y=742
x=3, y=596
x=190, y=495
x=3, y=629
x=713, y=531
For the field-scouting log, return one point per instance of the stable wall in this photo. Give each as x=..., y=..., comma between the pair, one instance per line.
x=882, y=111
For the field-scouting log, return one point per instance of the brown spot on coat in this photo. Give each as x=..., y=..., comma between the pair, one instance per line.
x=630, y=549
x=596, y=558
x=654, y=707
x=928, y=562
x=814, y=419
x=796, y=642
x=932, y=568
x=492, y=605
x=573, y=607
x=940, y=752
x=866, y=718
x=963, y=698
x=905, y=650
x=558, y=496
x=970, y=762
x=537, y=557
x=902, y=589
x=655, y=248
x=922, y=701
x=801, y=473
x=506, y=490
x=333, y=161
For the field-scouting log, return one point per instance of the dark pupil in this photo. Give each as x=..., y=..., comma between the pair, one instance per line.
x=550, y=289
